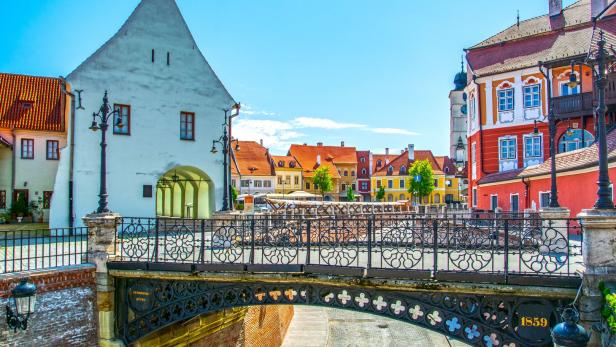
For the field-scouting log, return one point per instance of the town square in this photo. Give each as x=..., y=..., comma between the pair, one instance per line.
x=308, y=173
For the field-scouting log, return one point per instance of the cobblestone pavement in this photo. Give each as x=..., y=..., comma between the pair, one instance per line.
x=327, y=327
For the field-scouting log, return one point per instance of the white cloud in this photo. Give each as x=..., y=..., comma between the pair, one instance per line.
x=323, y=123
x=250, y=111
x=393, y=131
x=275, y=134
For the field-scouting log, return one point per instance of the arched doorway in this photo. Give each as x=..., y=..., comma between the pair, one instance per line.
x=185, y=192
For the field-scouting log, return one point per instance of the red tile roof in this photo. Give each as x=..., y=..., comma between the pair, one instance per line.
x=31, y=102
x=329, y=155
x=403, y=160
x=285, y=161
x=446, y=164
x=251, y=159
x=384, y=158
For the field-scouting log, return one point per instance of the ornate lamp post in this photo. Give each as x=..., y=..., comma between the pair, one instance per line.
x=24, y=302
x=604, y=195
x=103, y=114
x=552, y=130
x=225, y=142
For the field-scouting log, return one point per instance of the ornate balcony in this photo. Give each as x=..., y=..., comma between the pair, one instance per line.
x=574, y=105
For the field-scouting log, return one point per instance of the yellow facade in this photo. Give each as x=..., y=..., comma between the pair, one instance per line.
x=396, y=188
x=288, y=180
x=348, y=178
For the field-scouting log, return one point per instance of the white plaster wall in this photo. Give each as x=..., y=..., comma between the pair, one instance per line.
x=157, y=93
x=256, y=190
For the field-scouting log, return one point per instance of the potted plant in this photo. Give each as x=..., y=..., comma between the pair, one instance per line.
x=37, y=210
x=20, y=208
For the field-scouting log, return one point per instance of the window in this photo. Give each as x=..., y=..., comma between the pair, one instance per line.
x=27, y=149
x=307, y=185
x=474, y=197
x=53, y=152
x=233, y=183
x=245, y=183
x=544, y=199
x=353, y=186
x=402, y=170
x=532, y=146
x=362, y=159
x=267, y=183
x=257, y=183
x=363, y=171
x=566, y=90
x=493, y=202
x=47, y=199
x=474, y=152
x=379, y=163
x=346, y=173
x=316, y=186
x=187, y=126
x=2, y=198
x=353, y=173
x=378, y=183
x=390, y=170
x=436, y=182
x=507, y=148
x=575, y=139
x=344, y=187
x=532, y=96
x=505, y=99
x=296, y=180
x=147, y=190
x=402, y=183
x=390, y=184
x=123, y=113
x=287, y=179
x=364, y=185
x=279, y=180
x=515, y=203
x=471, y=107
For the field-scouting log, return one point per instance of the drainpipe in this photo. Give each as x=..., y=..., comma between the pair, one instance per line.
x=13, y=164
x=71, y=144
x=526, y=182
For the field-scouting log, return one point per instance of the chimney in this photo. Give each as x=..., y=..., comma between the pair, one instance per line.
x=319, y=144
x=596, y=6
x=318, y=159
x=556, y=7
x=386, y=151
x=411, y=152
x=341, y=143
x=261, y=142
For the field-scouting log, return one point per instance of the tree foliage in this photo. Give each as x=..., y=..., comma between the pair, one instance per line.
x=350, y=194
x=425, y=185
x=234, y=194
x=380, y=194
x=323, y=180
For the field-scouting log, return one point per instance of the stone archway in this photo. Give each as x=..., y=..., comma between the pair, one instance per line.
x=185, y=192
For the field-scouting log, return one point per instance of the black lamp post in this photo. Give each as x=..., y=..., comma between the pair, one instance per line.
x=552, y=134
x=103, y=114
x=225, y=142
x=604, y=195
x=24, y=302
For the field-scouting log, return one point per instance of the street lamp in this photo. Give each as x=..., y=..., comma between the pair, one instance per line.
x=604, y=195
x=24, y=301
x=103, y=114
x=225, y=144
x=568, y=333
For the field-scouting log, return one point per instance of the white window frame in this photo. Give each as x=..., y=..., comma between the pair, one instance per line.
x=533, y=136
x=549, y=197
x=500, y=144
x=508, y=93
x=569, y=89
x=528, y=90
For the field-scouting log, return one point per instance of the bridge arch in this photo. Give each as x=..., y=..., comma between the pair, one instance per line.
x=185, y=192
x=476, y=319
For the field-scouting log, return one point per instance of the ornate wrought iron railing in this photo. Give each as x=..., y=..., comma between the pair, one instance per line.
x=23, y=250
x=502, y=250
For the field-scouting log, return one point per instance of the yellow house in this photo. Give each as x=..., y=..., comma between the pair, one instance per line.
x=452, y=179
x=288, y=174
x=394, y=177
x=341, y=162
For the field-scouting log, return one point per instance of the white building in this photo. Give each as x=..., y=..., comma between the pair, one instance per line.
x=252, y=168
x=172, y=105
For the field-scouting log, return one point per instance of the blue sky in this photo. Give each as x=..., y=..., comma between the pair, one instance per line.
x=374, y=74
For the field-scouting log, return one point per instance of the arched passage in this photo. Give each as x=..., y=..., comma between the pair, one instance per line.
x=184, y=192
x=476, y=319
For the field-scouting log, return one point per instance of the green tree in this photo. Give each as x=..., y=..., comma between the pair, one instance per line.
x=350, y=194
x=422, y=179
x=380, y=194
x=233, y=194
x=323, y=180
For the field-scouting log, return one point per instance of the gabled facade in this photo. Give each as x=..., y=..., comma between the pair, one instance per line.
x=171, y=103
x=364, y=172
x=288, y=174
x=252, y=168
x=341, y=162
x=33, y=119
x=513, y=78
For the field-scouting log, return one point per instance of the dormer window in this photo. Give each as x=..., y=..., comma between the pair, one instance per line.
x=280, y=163
x=402, y=170
x=390, y=170
x=379, y=163
x=291, y=164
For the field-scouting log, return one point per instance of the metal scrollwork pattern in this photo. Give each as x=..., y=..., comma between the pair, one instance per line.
x=479, y=320
x=402, y=243
x=470, y=247
x=280, y=242
x=228, y=242
x=136, y=241
x=338, y=242
x=544, y=248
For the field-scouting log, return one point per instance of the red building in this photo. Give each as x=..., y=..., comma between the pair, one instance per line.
x=514, y=77
x=364, y=172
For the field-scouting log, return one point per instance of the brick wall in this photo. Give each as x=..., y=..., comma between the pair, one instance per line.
x=266, y=325
x=65, y=308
